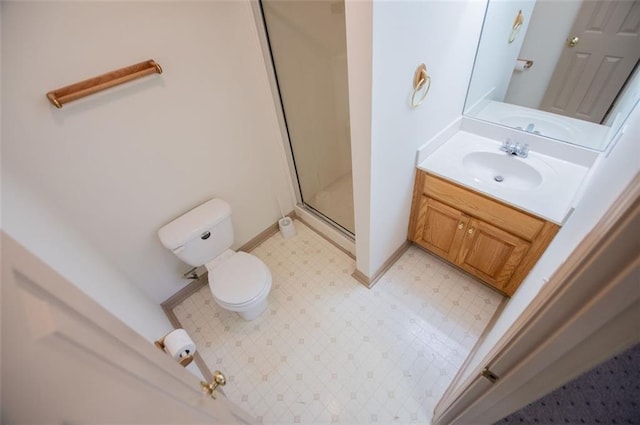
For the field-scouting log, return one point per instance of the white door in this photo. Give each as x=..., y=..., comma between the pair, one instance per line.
x=66, y=360
x=592, y=71
x=587, y=312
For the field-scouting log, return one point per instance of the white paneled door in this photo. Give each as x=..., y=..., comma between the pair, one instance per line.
x=66, y=360
x=602, y=50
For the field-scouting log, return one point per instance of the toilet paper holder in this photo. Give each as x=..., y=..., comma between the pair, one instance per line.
x=523, y=63
x=184, y=361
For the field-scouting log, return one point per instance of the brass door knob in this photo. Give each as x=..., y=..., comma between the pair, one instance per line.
x=573, y=41
x=218, y=380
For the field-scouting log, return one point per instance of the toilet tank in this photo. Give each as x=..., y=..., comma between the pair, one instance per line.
x=200, y=235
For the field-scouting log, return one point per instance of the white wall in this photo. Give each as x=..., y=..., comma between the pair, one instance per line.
x=496, y=56
x=116, y=166
x=359, y=32
x=405, y=34
x=606, y=183
x=49, y=237
x=545, y=40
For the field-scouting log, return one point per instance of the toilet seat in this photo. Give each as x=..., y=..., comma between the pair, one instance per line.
x=239, y=280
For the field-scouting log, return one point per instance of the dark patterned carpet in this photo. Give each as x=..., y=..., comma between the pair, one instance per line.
x=607, y=394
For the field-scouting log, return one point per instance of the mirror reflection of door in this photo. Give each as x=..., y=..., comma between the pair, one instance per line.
x=591, y=73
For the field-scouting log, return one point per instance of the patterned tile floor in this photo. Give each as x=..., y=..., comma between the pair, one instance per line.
x=329, y=350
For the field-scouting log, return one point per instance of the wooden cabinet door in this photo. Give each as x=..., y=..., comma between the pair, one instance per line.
x=491, y=253
x=439, y=228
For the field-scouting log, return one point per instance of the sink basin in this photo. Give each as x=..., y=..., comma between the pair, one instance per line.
x=501, y=169
x=544, y=184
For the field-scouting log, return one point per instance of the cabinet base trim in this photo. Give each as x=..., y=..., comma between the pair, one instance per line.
x=461, y=270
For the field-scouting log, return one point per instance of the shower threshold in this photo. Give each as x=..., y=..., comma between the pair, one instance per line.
x=331, y=230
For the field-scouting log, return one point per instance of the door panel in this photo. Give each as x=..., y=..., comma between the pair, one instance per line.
x=440, y=228
x=491, y=253
x=590, y=75
x=67, y=360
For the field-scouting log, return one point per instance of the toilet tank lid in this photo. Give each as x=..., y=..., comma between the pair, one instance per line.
x=194, y=223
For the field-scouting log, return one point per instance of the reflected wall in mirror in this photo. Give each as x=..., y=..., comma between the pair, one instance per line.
x=584, y=80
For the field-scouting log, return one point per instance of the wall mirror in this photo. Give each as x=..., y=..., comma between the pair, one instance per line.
x=569, y=71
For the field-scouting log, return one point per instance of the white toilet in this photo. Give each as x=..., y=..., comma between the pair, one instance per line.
x=239, y=281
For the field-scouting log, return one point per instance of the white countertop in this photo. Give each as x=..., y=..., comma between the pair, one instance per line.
x=552, y=199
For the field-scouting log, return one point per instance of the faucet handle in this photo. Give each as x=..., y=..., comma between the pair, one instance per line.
x=522, y=151
x=506, y=145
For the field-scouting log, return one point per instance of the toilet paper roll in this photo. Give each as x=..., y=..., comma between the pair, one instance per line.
x=178, y=344
x=287, y=229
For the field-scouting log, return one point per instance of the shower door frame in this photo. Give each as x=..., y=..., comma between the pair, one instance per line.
x=316, y=219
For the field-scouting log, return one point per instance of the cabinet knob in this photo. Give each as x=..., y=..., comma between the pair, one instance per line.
x=461, y=225
x=471, y=231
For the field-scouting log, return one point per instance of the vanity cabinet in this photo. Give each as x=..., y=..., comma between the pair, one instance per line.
x=495, y=242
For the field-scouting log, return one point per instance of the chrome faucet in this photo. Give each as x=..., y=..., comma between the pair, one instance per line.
x=529, y=129
x=516, y=149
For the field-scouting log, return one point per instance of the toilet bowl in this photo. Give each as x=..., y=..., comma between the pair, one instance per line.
x=240, y=282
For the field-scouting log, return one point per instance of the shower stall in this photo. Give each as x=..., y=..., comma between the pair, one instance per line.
x=307, y=41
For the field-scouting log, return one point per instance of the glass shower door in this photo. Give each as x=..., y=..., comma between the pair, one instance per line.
x=309, y=51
